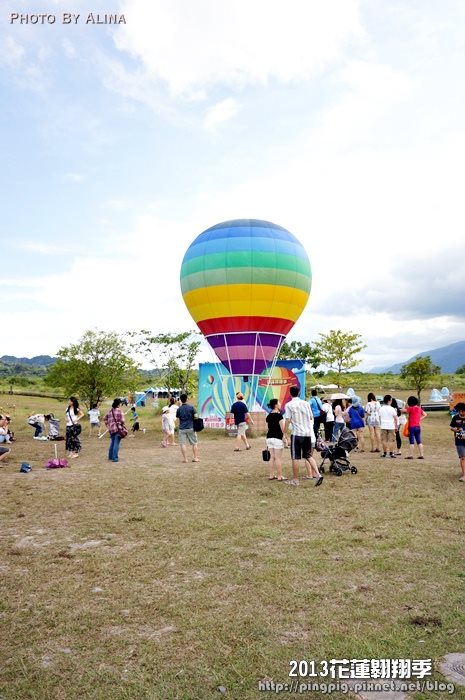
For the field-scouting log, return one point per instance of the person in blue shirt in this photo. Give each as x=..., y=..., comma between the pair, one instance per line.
x=318, y=413
x=356, y=416
x=241, y=419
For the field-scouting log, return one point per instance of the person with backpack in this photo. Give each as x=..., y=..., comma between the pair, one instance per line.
x=317, y=410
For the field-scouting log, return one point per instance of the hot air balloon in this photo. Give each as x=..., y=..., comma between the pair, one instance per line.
x=245, y=283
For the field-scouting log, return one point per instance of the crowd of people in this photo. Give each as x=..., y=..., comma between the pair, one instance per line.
x=296, y=428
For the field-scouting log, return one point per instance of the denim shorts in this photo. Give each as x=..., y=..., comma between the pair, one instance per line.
x=460, y=450
x=414, y=435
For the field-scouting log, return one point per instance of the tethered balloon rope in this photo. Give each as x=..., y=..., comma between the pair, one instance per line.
x=273, y=365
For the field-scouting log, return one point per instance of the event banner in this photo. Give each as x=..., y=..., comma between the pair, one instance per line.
x=218, y=388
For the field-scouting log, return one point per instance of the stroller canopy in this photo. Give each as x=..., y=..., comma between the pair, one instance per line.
x=347, y=439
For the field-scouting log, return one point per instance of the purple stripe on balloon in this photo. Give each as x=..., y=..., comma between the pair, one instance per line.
x=253, y=339
x=242, y=355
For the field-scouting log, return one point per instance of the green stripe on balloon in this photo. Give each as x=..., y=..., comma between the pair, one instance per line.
x=245, y=275
x=244, y=259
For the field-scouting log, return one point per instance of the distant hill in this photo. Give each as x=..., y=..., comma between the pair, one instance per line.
x=40, y=360
x=448, y=358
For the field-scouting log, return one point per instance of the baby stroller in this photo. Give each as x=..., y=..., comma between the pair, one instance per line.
x=54, y=429
x=337, y=454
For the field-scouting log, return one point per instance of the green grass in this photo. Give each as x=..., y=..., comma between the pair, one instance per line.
x=153, y=579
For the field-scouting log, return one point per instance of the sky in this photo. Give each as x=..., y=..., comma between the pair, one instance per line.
x=341, y=120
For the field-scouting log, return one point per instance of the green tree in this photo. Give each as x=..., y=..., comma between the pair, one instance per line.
x=419, y=372
x=173, y=355
x=300, y=351
x=338, y=351
x=94, y=368
x=460, y=370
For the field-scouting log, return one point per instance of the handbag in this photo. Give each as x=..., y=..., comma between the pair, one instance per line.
x=405, y=431
x=120, y=429
x=266, y=456
x=198, y=425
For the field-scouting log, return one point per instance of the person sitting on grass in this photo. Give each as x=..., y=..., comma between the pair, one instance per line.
x=457, y=425
x=4, y=451
x=4, y=429
x=415, y=415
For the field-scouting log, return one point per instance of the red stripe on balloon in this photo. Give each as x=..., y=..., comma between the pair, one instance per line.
x=238, y=324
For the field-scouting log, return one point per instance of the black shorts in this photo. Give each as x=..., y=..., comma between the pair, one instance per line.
x=301, y=446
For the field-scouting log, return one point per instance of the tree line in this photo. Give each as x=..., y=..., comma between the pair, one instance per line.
x=101, y=364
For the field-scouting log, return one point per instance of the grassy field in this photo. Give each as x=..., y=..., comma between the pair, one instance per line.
x=153, y=579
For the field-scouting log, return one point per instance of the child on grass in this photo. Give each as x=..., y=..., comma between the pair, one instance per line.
x=135, y=420
x=94, y=419
x=457, y=425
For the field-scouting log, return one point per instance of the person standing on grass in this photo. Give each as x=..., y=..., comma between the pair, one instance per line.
x=241, y=419
x=415, y=415
x=327, y=410
x=275, y=440
x=94, y=420
x=298, y=414
x=356, y=415
x=73, y=429
x=339, y=422
x=457, y=425
x=388, y=423
x=400, y=423
x=172, y=408
x=135, y=420
x=318, y=415
x=373, y=423
x=187, y=436
x=114, y=420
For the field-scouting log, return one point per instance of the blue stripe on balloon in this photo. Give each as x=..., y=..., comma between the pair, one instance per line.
x=247, y=244
x=246, y=223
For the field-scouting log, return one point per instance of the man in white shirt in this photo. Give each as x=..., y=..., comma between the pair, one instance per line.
x=299, y=414
x=388, y=423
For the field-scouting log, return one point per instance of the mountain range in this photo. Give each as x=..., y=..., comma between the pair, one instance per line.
x=41, y=360
x=448, y=357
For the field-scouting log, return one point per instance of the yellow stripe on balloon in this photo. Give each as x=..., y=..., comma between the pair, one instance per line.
x=246, y=300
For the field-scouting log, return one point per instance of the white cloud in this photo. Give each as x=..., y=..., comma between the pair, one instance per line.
x=220, y=113
x=191, y=45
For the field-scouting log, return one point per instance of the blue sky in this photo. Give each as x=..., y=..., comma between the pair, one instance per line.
x=341, y=120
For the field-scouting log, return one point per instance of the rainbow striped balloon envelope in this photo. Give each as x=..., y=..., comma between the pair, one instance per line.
x=245, y=283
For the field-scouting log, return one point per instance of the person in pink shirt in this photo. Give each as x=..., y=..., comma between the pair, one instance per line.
x=415, y=416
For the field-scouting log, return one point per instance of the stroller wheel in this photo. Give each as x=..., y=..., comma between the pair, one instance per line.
x=338, y=471
x=354, y=470
x=321, y=470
